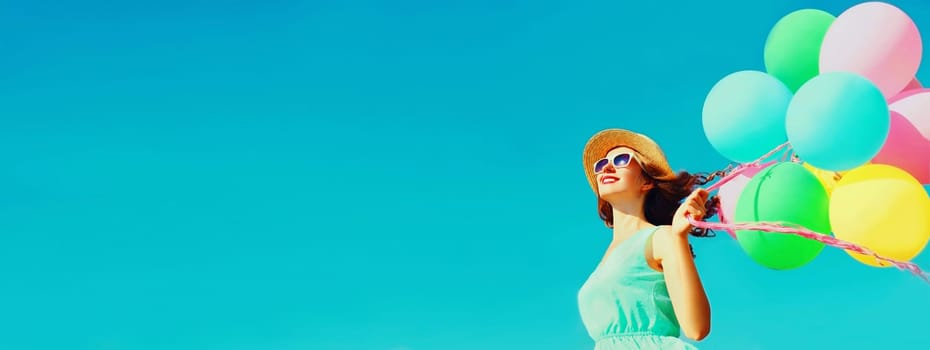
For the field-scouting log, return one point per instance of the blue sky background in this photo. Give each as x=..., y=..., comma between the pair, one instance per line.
x=379, y=175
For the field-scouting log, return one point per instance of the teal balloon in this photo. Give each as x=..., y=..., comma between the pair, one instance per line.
x=838, y=121
x=792, y=49
x=744, y=115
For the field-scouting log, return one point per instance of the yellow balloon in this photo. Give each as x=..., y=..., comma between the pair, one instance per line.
x=882, y=208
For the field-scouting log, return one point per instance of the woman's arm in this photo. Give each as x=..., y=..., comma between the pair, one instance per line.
x=681, y=276
x=684, y=285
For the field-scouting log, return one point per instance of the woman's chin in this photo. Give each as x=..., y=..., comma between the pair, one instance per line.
x=613, y=194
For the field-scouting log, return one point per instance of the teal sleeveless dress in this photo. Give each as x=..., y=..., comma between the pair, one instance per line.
x=624, y=303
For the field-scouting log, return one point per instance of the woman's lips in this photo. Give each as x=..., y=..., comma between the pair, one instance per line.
x=609, y=179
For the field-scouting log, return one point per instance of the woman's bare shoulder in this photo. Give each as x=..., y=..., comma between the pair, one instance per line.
x=661, y=238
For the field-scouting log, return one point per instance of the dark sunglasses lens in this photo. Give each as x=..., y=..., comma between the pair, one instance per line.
x=622, y=160
x=600, y=165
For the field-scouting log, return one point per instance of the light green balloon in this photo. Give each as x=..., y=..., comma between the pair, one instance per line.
x=789, y=194
x=792, y=49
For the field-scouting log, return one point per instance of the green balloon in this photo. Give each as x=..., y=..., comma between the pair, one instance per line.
x=792, y=50
x=788, y=194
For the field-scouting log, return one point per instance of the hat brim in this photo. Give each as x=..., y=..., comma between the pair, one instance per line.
x=655, y=162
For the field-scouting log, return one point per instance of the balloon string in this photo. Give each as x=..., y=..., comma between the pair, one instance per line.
x=823, y=238
x=798, y=230
x=746, y=166
x=723, y=219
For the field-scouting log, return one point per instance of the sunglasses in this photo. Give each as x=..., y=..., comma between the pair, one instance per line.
x=619, y=161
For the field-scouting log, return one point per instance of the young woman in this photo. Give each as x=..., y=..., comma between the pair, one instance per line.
x=646, y=290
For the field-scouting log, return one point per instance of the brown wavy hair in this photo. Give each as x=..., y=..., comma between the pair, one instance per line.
x=663, y=200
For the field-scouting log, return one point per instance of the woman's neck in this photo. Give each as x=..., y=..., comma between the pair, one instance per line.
x=627, y=220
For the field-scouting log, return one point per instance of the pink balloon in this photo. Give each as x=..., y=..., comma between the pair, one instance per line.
x=913, y=85
x=914, y=105
x=876, y=40
x=906, y=149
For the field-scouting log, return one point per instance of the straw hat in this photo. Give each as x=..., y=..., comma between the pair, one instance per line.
x=650, y=156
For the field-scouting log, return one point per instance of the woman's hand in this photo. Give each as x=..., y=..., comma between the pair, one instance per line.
x=693, y=205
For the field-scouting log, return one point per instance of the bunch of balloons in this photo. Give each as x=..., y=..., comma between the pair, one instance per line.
x=839, y=94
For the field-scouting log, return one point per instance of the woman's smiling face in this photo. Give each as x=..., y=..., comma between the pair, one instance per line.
x=618, y=172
